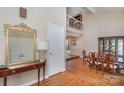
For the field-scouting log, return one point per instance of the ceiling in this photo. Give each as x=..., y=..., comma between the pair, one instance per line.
x=110, y=9
x=74, y=10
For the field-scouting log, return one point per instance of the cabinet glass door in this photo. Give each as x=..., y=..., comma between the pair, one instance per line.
x=112, y=46
x=100, y=45
x=120, y=50
x=106, y=46
x=115, y=44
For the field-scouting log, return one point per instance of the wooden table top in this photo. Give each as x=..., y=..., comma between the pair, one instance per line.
x=20, y=65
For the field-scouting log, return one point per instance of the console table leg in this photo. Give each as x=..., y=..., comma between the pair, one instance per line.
x=5, y=81
x=38, y=76
x=43, y=72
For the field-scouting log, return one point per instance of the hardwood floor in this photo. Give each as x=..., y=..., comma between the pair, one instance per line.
x=79, y=75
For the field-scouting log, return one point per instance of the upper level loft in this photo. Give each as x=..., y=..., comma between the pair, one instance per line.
x=75, y=20
x=74, y=24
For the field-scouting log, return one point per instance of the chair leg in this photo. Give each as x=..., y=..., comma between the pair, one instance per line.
x=103, y=70
x=89, y=66
x=96, y=68
x=114, y=71
x=83, y=62
x=118, y=71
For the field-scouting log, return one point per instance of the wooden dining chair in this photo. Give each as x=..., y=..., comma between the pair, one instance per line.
x=120, y=69
x=92, y=60
x=85, y=58
x=99, y=60
x=113, y=66
x=108, y=64
x=117, y=67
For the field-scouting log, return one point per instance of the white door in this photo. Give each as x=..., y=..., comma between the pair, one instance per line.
x=56, y=49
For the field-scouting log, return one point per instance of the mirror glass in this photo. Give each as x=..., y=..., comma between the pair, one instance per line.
x=20, y=46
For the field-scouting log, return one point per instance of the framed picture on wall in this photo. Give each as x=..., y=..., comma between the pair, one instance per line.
x=23, y=12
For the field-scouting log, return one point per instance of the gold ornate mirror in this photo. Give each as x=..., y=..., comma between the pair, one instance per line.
x=20, y=44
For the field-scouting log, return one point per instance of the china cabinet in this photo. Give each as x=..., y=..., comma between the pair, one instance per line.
x=115, y=44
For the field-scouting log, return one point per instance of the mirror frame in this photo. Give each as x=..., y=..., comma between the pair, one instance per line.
x=21, y=27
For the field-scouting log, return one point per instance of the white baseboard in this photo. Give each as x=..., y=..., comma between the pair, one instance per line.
x=33, y=81
x=64, y=70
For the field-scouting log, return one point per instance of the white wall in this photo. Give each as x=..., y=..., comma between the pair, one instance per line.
x=77, y=49
x=37, y=18
x=102, y=24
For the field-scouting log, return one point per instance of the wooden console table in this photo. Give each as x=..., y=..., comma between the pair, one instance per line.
x=16, y=69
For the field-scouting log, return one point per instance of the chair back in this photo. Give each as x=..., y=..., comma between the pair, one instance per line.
x=84, y=53
x=96, y=56
x=93, y=57
x=113, y=58
x=101, y=56
x=107, y=60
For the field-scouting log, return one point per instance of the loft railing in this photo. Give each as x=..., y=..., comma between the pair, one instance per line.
x=74, y=23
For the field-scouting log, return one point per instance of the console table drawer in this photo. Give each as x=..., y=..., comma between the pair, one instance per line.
x=4, y=73
x=23, y=69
